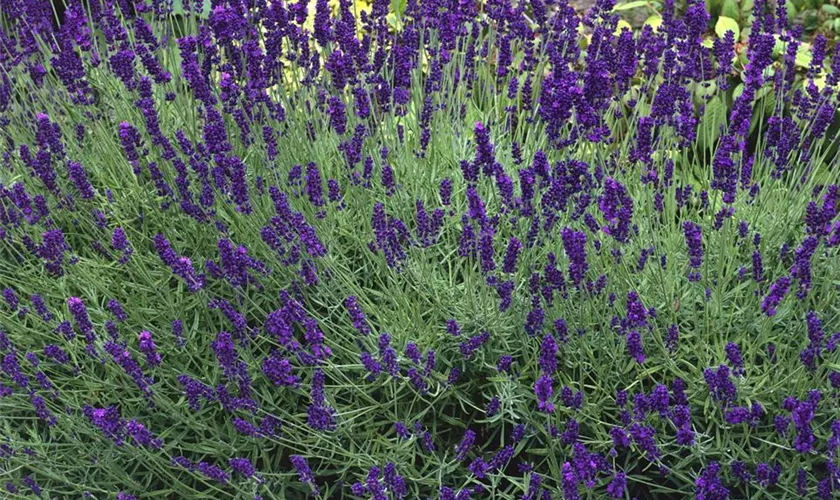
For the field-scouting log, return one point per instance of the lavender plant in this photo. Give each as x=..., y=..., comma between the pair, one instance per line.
x=454, y=250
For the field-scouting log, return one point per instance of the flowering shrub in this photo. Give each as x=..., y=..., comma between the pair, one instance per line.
x=450, y=253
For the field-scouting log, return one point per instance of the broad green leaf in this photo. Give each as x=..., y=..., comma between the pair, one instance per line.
x=309, y=23
x=713, y=117
x=713, y=6
x=725, y=24
x=362, y=6
x=729, y=8
x=803, y=55
x=655, y=21
x=621, y=25
x=791, y=10
x=819, y=82
x=393, y=21
x=701, y=92
x=778, y=47
x=630, y=5
x=803, y=52
x=830, y=9
x=398, y=6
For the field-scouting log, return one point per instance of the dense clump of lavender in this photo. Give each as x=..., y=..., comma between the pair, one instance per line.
x=463, y=250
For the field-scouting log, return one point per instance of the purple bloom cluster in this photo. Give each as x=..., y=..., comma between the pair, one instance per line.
x=515, y=165
x=279, y=371
x=720, y=384
x=210, y=471
x=694, y=242
x=574, y=243
x=147, y=347
x=122, y=357
x=802, y=414
x=117, y=429
x=320, y=416
x=708, y=485
x=472, y=344
x=180, y=266
x=304, y=472
x=356, y=315
x=617, y=207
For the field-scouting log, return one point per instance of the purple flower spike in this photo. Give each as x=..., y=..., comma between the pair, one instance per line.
x=634, y=346
x=356, y=315
x=180, y=266
x=694, y=241
x=242, y=466
x=304, y=472
x=574, y=243
x=708, y=485
x=79, y=178
x=774, y=296
x=543, y=390
x=147, y=347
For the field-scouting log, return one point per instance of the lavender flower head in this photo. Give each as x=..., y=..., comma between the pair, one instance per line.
x=543, y=389
x=694, y=241
x=147, y=347
x=304, y=473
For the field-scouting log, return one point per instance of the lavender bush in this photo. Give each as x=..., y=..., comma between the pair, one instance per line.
x=452, y=250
